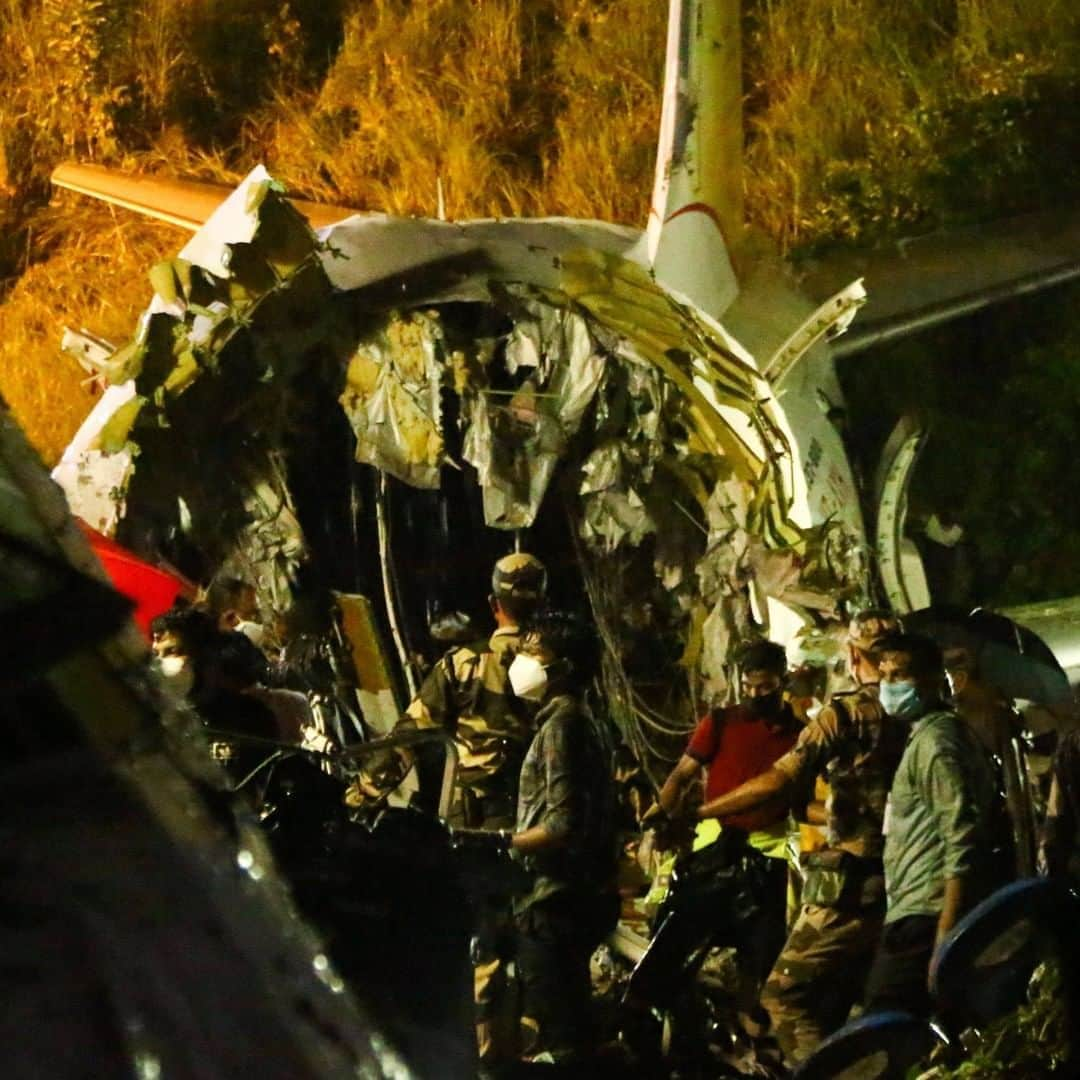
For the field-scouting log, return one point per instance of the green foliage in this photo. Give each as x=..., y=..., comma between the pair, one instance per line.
x=1031, y=1043
x=869, y=120
x=61, y=84
x=1001, y=457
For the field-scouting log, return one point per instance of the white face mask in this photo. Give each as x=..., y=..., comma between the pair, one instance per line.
x=253, y=631
x=171, y=666
x=528, y=677
x=177, y=673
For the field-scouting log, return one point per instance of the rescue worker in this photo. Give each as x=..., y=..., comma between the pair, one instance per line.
x=991, y=716
x=226, y=668
x=178, y=636
x=235, y=604
x=565, y=833
x=937, y=826
x=731, y=745
x=467, y=694
x=855, y=747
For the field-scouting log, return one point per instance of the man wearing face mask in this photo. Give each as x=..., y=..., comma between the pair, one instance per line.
x=177, y=637
x=732, y=745
x=935, y=825
x=855, y=748
x=738, y=742
x=468, y=694
x=236, y=605
x=565, y=833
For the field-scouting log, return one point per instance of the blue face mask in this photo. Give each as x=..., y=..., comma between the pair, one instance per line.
x=900, y=699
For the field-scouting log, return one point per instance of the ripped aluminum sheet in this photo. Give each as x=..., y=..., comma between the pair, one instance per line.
x=614, y=512
x=515, y=439
x=630, y=439
x=268, y=551
x=392, y=398
x=680, y=411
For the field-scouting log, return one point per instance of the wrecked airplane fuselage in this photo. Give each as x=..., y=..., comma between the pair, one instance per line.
x=531, y=376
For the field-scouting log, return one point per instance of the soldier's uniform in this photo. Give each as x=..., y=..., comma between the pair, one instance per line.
x=468, y=695
x=856, y=747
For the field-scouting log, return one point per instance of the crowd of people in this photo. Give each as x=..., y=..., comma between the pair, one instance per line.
x=899, y=784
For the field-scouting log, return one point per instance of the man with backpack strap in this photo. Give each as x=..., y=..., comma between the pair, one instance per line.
x=731, y=745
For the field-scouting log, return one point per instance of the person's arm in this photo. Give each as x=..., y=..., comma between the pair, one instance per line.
x=1057, y=831
x=753, y=793
x=433, y=707
x=954, y=906
x=557, y=751
x=799, y=763
x=1060, y=828
x=678, y=782
x=538, y=838
x=950, y=795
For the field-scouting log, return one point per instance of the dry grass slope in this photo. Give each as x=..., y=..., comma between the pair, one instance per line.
x=513, y=106
x=867, y=119
x=863, y=120
x=95, y=279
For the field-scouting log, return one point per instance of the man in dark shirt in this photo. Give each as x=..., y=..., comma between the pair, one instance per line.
x=565, y=834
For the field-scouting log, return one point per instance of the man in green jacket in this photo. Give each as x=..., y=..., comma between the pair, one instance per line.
x=936, y=835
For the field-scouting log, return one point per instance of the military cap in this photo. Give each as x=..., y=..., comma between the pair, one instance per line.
x=868, y=626
x=519, y=575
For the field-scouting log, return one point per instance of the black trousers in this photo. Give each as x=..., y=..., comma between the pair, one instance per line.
x=898, y=976
x=758, y=954
x=556, y=938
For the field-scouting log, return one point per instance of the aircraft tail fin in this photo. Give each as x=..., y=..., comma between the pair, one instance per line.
x=697, y=193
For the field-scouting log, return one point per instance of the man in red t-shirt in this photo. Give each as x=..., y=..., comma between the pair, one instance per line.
x=734, y=744
x=738, y=742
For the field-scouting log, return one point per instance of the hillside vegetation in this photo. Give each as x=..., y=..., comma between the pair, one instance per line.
x=863, y=120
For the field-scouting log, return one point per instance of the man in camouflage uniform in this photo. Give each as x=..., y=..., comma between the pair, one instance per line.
x=854, y=746
x=468, y=695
